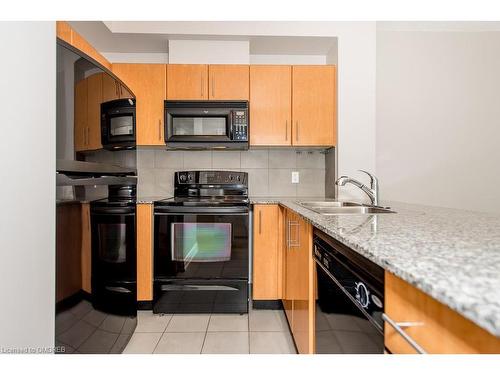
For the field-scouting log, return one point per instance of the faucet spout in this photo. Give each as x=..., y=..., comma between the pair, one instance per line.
x=371, y=191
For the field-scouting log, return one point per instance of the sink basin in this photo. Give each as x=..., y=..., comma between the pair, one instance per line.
x=328, y=204
x=344, y=208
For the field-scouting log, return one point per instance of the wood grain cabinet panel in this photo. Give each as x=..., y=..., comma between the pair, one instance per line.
x=80, y=115
x=94, y=100
x=86, y=257
x=148, y=82
x=440, y=330
x=271, y=105
x=267, y=253
x=110, y=88
x=314, y=105
x=299, y=293
x=144, y=252
x=228, y=82
x=187, y=82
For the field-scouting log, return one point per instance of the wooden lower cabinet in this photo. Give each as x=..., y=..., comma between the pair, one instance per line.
x=441, y=330
x=267, y=252
x=298, y=289
x=144, y=252
x=86, y=248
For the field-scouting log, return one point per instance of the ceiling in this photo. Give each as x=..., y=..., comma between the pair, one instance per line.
x=134, y=39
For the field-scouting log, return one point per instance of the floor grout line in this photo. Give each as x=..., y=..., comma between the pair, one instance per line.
x=206, y=332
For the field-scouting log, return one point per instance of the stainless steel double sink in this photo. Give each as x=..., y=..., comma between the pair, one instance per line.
x=344, y=208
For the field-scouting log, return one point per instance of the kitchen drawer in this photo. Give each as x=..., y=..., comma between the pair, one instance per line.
x=439, y=329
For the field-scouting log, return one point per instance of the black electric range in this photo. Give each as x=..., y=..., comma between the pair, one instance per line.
x=201, y=244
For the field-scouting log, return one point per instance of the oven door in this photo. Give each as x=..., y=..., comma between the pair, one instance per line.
x=202, y=244
x=113, y=244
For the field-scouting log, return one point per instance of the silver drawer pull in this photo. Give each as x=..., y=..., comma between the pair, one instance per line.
x=398, y=327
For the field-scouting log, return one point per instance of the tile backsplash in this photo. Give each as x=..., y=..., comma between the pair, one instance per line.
x=269, y=170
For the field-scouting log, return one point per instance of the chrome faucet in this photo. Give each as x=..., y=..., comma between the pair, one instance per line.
x=371, y=191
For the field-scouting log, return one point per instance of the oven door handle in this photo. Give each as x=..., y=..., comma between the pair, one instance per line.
x=201, y=211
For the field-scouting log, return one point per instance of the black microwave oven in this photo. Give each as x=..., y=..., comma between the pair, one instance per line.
x=118, y=128
x=206, y=125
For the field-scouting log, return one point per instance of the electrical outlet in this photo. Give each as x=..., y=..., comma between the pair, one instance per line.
x=295, y=177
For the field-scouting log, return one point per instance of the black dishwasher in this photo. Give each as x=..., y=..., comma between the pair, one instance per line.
x=350, y=300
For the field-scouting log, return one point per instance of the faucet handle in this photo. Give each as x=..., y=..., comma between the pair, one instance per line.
x=373, y=179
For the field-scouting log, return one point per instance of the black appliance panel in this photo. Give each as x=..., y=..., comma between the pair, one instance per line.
x=350, y=300
x=200, y=245
x=206, y=124
x=118, y=124
x=201, y=296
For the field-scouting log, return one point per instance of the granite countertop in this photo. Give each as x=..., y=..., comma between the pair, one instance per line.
x=452, y=255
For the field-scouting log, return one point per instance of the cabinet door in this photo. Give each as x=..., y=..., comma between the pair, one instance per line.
x=86, y=248
x=271, y=105
x=303, y=319
x=266, y=253
x=94, y=100
x=80, y=129
x=110, y=88
x=148, y=83
x=187, y=82
x=144, y=252
x=314, y=105
x=290, y=264
x=228, y=82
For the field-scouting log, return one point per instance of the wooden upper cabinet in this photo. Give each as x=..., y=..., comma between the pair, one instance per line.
x=64, y=31
x=148, y=82
x=270, y=105
x=228, y=82
x=94, y=100
x=187, y=82
x=267, y=253
x=110, y=88
x=80, y=115
x=313, y=105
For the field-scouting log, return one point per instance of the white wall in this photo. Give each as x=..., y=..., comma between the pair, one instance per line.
x=208, y=52
x=27, y=228
x=438, y=116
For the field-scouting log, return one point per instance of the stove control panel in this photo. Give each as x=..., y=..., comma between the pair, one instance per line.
x=211, y=177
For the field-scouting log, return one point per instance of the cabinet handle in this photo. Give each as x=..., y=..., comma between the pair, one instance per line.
x=159, y=130
x=260, y=221
x=286, y=130
x=201, y=84
x=398, y=327
x=297, y=130
x=291, y=242
x=116, y=89
x=86, y=137
x=213, y=86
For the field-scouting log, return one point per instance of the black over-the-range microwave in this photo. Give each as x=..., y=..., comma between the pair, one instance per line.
x=118, y=128
x=206, y=124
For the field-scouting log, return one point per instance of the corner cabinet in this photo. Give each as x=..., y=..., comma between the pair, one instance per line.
x=148, y=82
x=298, y=298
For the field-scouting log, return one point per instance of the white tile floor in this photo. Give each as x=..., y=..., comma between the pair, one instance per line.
x=259, y=332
